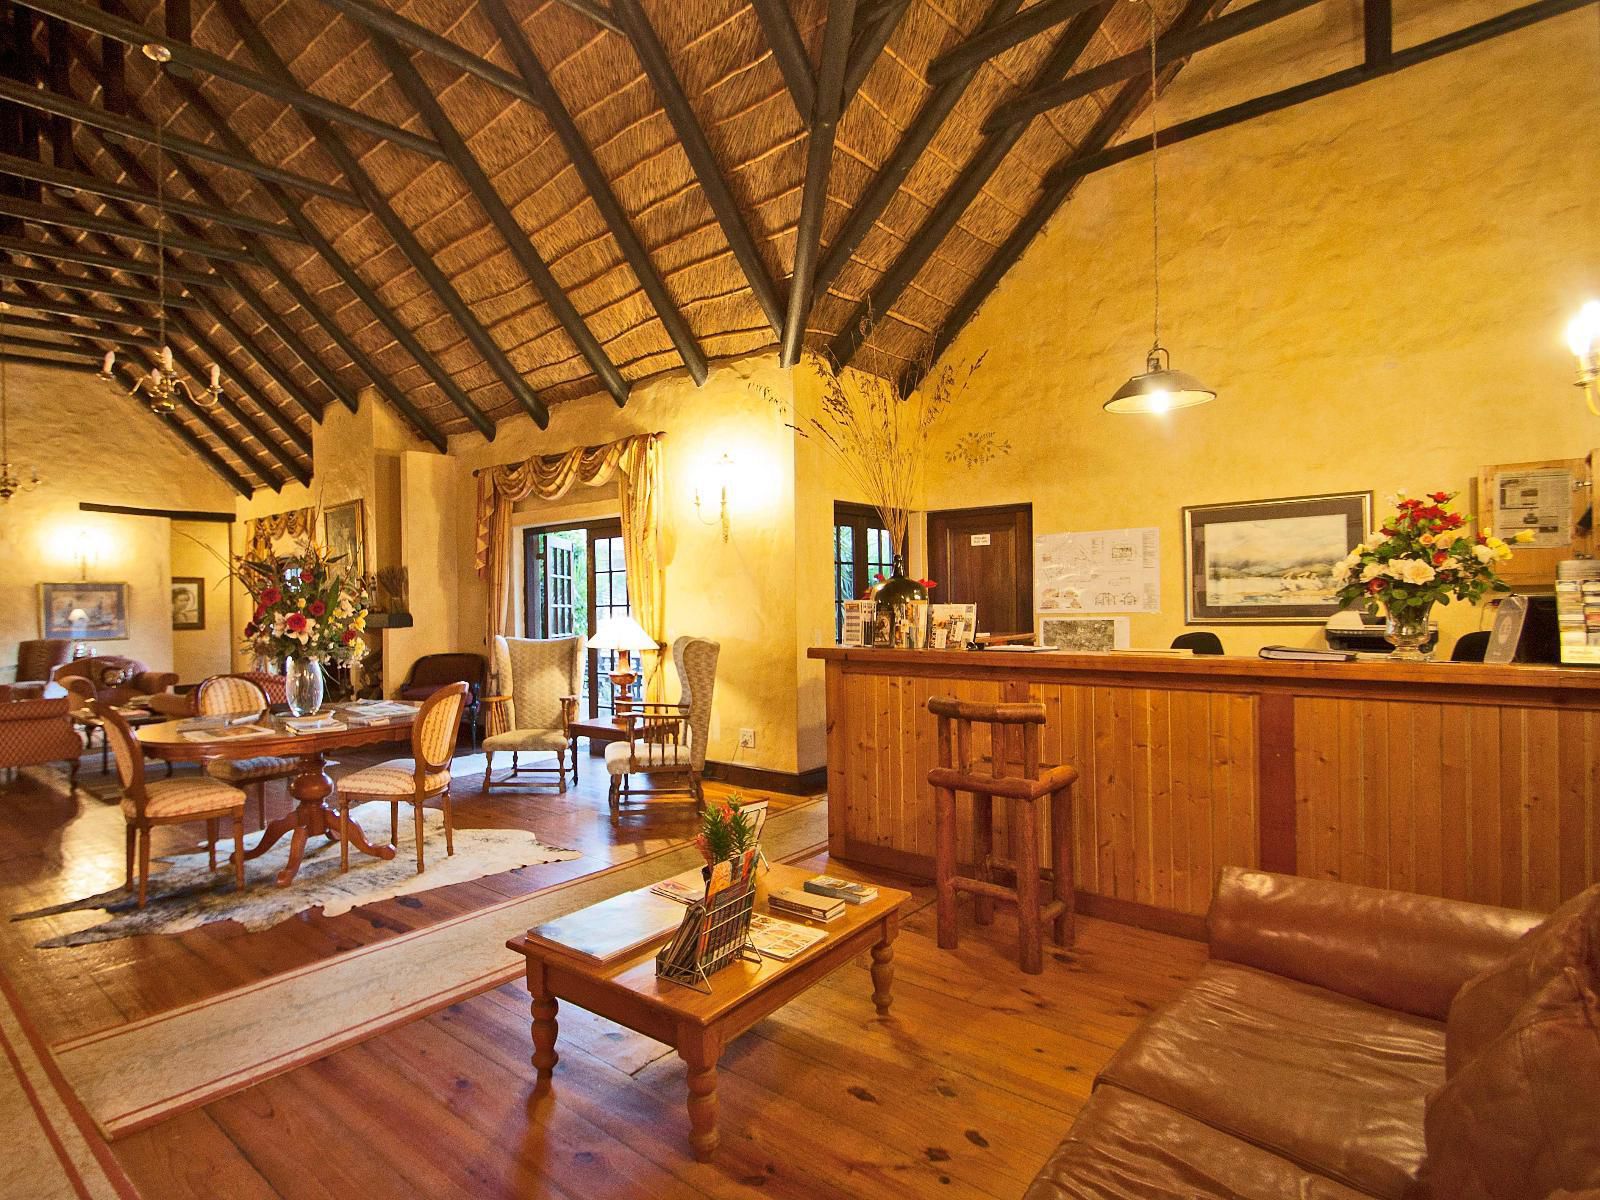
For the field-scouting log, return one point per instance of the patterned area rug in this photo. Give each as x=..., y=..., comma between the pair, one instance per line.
x=188, y=894
x=230, y=1041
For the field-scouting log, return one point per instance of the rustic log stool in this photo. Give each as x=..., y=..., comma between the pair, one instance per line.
x=1014, y=738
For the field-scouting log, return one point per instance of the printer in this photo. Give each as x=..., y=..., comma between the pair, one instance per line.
x=1362, y=633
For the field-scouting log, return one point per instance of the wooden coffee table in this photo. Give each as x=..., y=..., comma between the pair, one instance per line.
x=698, y=1026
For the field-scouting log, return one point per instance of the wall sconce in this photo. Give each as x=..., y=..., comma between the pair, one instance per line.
x=82, y=544
x=720, y=476
x=1583, y=336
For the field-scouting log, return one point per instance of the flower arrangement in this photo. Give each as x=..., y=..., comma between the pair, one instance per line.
x=725, y=831
x=1426, y=553
x=304, y=607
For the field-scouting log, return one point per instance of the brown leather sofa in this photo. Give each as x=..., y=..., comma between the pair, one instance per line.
x=1350, y=1042
x=116, y=679
x=432, y=672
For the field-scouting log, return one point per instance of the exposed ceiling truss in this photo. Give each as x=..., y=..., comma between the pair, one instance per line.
x=479, y=214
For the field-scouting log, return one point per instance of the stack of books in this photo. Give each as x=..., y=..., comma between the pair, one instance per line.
x=377, y=712
x=840, y=889
x=795, y=902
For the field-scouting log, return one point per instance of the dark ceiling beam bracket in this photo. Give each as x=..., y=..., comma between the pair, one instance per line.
x=94, y=287
x=886, y=183
x=82, y=181
x=113, y=76
x=653, y=57
x=595, y=11
x=39, y=302
x=115, y=336
x=997, y=39
x=421, y=261
x=875, y=28
x=72, y=218
x=599, y=187
x=170, y=514
x=57, y=67
x=789, y=51
x=285, y=91
x=49, y=252
x=501, y=216
x=197, y=100
x=959, y=195
x=1171, y=47
x=819, y=158
x=1377, y=32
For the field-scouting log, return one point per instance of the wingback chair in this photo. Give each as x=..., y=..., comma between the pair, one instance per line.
x=667, y=741
x=540, y=680
x=434, y=671
x=37, y=658
x=239, y=696
x=116, y=679
x=35, y=730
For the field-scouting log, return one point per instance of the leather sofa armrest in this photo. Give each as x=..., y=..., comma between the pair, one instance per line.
x=153, y=683
x=1394, y=949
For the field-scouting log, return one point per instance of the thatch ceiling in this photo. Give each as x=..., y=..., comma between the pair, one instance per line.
x=719, y=50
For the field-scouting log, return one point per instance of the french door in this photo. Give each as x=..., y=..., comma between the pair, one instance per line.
x=573, y=576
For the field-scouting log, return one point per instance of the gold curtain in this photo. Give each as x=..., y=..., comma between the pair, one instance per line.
x=635, y=462
x=262, y=532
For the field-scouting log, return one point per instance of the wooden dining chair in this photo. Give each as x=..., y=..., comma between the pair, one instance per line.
x=238, y=696
x=167, y=801
x=420, y=778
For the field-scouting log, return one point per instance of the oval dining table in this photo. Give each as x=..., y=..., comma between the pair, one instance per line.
x=312, y=816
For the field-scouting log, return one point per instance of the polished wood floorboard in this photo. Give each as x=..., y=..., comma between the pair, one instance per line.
x=962, y=1091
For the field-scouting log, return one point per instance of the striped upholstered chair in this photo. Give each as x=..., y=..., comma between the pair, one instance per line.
x=168, y=801
x=239, y=696
x=417, y=779
x=667, y=742
x=541, y=678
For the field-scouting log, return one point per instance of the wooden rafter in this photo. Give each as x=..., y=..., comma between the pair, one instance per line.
x=32, y=343
x=783, y=37
x=977, y=172
x=874, y=28
x=596, y=12
x=599, y=187
x=1377, y=33
x=886, y=183
x=108, y=24
x=501, y=217
x=40, y=302
x=53, y=214
x=819, y=158
x=261, y=47
x=117, y=337
x=96, y=287
x=653, y=58
x=1001, y=36
x=50, y=252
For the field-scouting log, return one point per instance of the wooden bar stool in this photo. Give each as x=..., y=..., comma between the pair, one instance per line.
x=1014, y=738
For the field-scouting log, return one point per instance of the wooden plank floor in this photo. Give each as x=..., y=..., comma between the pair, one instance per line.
x=961, y=1092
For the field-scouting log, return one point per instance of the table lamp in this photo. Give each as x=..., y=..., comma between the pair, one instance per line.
x=625, y=636
x=79, y=620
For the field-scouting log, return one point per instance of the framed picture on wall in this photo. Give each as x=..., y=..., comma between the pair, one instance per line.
x=188, y=602
x=1269, y=562
x=344, y=533
x=85, y=612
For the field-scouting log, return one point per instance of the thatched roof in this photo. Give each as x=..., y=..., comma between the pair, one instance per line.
x=722, y=55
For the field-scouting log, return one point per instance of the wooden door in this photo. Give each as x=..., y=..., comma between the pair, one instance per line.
x=984, y=556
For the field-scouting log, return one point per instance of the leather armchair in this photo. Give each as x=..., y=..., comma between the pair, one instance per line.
x=432, y=672
x=37, y=658
x=38, y=730
x=116, y=679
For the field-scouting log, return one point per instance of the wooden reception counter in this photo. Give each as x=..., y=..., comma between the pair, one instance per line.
x=1471, y=781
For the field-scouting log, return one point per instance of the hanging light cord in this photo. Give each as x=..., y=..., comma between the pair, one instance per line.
x=1155, y=180
x=5, y=405
x=161, y=210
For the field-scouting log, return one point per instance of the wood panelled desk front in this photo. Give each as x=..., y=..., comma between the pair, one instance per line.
x=1465, y=780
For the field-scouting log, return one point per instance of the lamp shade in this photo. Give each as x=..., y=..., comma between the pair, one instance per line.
x=1160, y=389
x=621, y=633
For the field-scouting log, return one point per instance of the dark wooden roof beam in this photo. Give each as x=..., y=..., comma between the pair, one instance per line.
x=93, y=287
x=39, y=302
x=70, y=349
x=1377, y=30
x=501, y=217
x=874, y=27
x=73, y=218
x=790, y=53
x=819, y=158
x=51, y=252
x=73, y=361
x=599, y=187
x=653, y=58
x=596, y=12
x=114, y=336
x=57, y=65
x=998, y=38
x=285, y=91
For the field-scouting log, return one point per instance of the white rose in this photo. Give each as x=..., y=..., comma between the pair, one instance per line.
x=1482, y=553
x=1373, y=571
x=1414, y=570
x=1375, y=539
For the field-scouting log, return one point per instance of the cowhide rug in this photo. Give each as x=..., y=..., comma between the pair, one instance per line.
x=188, y=894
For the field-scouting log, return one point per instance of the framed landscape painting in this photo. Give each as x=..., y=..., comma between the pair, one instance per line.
x=1269, y=562
x=344, y=535
x=84, y=612
x=188, y=602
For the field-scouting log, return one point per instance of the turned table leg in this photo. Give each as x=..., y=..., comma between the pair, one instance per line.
x=700, y=1052
x=545, y=1028
x=883, y=965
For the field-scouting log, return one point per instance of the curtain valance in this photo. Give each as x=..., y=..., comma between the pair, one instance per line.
x=261, y=532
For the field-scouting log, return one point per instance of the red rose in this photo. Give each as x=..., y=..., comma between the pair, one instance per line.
x=250, y=629
x=295, y=623
x=1375, y=585
x=349, y=636
x=316, y=608
x=1440, y=558
x=271, y=596
x=1439, y=497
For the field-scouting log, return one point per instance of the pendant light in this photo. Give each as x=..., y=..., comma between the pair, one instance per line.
x=1161, y=388
x=164, y=387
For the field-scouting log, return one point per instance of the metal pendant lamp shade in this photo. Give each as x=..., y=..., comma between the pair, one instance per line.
x=1160, y=389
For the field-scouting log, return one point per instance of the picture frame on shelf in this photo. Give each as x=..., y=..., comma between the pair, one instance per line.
x=188, y=602
x=84, y=612
x=344, y=534
x=1269, y=562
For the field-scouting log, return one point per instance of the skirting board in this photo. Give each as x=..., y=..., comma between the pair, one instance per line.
x=1090, y=904
x=788, y=783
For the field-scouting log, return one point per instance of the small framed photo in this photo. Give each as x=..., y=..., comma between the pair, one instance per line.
x=188, y=602
x=84, y=612
x=1080, y=635
x=1269, y=562
x=344, y=534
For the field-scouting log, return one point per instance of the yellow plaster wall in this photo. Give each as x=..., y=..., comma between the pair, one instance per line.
x=92, y=443
x=1376, y=283
x=200, y=548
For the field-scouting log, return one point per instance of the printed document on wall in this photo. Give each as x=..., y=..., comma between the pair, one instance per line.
x=1110, y=570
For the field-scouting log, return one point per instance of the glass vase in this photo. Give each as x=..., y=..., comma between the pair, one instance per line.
x=302, y=684
x=897, y=618
x=1407, y=631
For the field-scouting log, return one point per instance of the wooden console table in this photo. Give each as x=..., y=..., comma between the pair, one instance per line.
x=698, y=1026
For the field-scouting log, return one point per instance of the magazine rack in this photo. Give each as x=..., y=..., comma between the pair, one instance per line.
x=712, y=936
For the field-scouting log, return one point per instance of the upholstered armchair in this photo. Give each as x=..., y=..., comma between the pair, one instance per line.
x=116, y=679
x=38, y=730
x=434, y=671
x=667, y=742
x=37, y=658
x=540, y=680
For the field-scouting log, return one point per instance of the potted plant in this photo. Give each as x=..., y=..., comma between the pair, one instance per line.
x=1425, y=554
x=726, y=833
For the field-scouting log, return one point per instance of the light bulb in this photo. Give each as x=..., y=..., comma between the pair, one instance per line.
x=1160, y=401
x=1583, y=331
x=109, y=362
